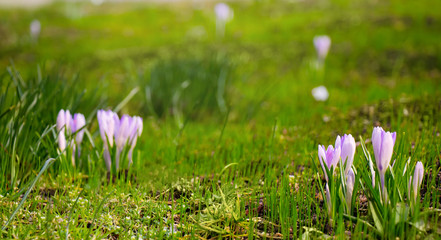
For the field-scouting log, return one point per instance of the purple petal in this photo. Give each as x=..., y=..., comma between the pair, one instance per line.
x=61, y=120
x=386, y=152
x=376, y=143
x=338, y=141
x=394, y=137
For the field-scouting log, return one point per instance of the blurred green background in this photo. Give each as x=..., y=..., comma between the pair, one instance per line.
x=380, y=50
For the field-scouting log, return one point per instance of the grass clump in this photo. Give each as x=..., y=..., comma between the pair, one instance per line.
x=185, y=87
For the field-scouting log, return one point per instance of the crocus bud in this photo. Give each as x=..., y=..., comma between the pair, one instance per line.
x=61, y=141
x=383, y=143
x=67, y=126
x=64, y=121
x=322, y=45
x=350, y=181
x=107, y=121
x=79, y=121
x=122, y=132
x=135, y=131
x=61, y=120
x=347, y=144
x=330, y=157
x=418, y=175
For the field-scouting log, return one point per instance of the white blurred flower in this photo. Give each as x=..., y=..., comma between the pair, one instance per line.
x=35, y=28
x=320, y=93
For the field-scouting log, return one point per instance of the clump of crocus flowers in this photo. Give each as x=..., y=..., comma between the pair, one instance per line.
x=115, y=132
x=344, y=151
x=329, y=158
x=121, y=133
x=70, y=132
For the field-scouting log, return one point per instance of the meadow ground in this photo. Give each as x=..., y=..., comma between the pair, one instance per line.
x=229, y=145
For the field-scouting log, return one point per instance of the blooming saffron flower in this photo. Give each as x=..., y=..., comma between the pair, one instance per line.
x=322, y=45
x=383, y=143
x=347, y=144
x=121, y=132
x=329, y=156
x=414, y=187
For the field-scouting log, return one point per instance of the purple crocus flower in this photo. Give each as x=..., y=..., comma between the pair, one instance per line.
x=414, y=187
x=78, y=122
x=322, y=45
x=347, y=144
x=107, y=121
x=329, y=156
x=68, y=126
x=64, y=121
x=126, y=134
x=383, y=143
x=135, y=132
